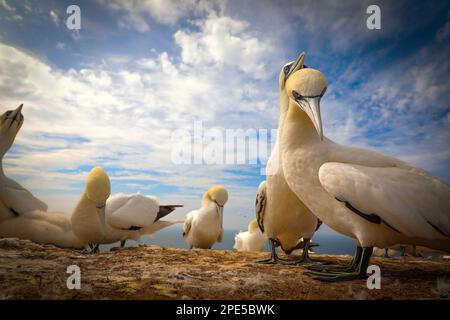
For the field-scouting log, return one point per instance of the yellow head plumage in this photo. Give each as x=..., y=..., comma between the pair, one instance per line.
x=307, y=82
x=253, y=225
x=305, y=88
x=217, y=194
x=98, y=186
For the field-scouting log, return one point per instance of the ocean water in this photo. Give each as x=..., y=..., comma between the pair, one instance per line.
x=330, y=242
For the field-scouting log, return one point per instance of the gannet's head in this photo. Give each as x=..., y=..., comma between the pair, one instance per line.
x=218, y=194
x=10, y=123
x=98, y=187
x=305, y=88
x=253, y=226
x=289, y=68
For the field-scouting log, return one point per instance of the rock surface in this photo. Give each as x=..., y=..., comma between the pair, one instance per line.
x=32, y=271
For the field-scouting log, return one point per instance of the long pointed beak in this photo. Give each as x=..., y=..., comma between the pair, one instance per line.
x=16, y=114
x=298, y=64
x=101, y=212
x=220, y=213
x=311, y=105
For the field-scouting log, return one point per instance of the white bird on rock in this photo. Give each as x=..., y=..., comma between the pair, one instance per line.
x=14, y=199
x=130, y=216
x=375, y=199
x=121, y=217
x=251, y=240
x=84, y=227
x=204, y=227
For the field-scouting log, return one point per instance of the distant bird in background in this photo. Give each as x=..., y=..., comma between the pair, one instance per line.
x=204, y=227
x=251, y=240
x=15, y=200
x=375, y=199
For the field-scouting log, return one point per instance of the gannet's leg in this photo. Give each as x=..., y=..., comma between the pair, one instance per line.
x=359, y=273
x=338, y=269
x=273, y=254
x=122, y=243
x=95, y=248
x=403, y=251
x=386, y=252
x=304, y=258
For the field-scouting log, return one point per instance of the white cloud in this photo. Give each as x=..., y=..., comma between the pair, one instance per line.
x=223, y=40
x=6, y=6
x=54, y=17
x=136, y=13
x=122, y=117
x=60, y=45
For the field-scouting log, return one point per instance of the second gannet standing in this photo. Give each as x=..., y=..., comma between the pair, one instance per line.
x=204, y=227
x=375, y=199
x=14, y=199
x=281, y=215
x=251, y=240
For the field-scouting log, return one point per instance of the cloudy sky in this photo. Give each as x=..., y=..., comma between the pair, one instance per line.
x=114, y=92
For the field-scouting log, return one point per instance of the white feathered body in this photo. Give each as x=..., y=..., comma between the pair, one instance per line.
x=413, y=205
x=249, y=240
x=203, y=227
x=125, y=211
x=15, y=199
x=286, y=218
x=42, y=227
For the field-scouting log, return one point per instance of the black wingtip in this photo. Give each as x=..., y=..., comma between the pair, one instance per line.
x=166, y=209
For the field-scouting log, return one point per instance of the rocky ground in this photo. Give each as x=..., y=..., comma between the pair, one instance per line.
x=32, y=271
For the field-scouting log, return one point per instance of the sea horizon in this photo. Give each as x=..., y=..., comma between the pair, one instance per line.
x=329, y=242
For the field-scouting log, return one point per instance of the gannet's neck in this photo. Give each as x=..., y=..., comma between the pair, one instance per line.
x=298, y=128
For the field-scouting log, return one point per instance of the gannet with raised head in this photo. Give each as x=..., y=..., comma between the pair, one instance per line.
x=204, y=227
x=375, y=199
x=281, y=215
x=14, y=199
x=88, y=219
x=130, y=216
x=251, y=240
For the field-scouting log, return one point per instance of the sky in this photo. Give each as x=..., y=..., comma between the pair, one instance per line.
x=114, y=92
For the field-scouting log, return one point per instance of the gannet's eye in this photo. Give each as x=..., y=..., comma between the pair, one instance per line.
x=297, y=96
x=286, y=68
x=8, y=113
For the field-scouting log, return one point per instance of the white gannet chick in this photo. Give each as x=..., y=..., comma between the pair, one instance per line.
x=14, y=199
x=88, y=218
x=251, y=240
x=375, y=199
x=204, y=227
x=281, y=215
x=130, y=216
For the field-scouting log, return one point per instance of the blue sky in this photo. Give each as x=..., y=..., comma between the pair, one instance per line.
x=112, y=93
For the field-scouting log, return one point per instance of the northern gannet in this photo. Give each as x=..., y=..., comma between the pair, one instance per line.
x=14, y=199
x=377, y=200
x=204, y=227
x=130, y=216
x=88, y=219
x=251, y=240
x=281, y=215
x=123, y=217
